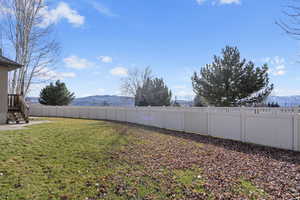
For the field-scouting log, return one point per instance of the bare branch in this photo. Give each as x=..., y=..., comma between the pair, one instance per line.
x=135, y=79
x=32, y=43
x=291, y=24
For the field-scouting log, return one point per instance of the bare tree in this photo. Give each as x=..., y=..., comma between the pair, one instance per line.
x=135, y=79
x=30, y=40
x=291, y=23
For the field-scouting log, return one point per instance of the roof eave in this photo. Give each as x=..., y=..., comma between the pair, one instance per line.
x=10, y=64
x=11, y=68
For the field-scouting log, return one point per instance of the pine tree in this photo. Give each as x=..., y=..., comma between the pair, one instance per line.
x=153, y=92
x=56, y=95
x=230, y=81
x=105, y=103
x=199, y=101
x=273, y=105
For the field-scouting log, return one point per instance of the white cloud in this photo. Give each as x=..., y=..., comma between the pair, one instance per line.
x=103, y=9
x=219, y=2
x=44, y=75
x=119, y=71
x=105, y=59
x=229, y=1
x=67, y=74
x=62, y=11
x=48, y=74
x=5, y=11
x=277, y=60
x=280, y=69
x=279, y=73
x=200, y=1
x=77, y=63
x=276, y=64
x=266, y=60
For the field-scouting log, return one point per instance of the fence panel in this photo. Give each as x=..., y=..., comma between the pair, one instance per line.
x=35, y=111
x=297, y=133
x=99, y=113
x=156, y=118
x=74, y=112
x=93, y=113
x=60, y=112
x=142, y=117
x=225, y=125
x=121, y=114
x=174, y=119
x=111, y=114
x=270, y=131
x=83, y=112
x=270, y=127
x=51, y=111
x=196, y=121
x=132, y=115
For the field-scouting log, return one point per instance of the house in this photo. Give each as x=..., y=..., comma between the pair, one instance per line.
x=10, y=105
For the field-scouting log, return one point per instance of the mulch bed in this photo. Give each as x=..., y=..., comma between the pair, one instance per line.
x=223, y=163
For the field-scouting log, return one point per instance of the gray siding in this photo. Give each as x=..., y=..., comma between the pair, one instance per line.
x=3, y=94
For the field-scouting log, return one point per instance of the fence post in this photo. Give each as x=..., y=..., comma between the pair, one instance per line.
x=296, y=133
x=208, y=121
x=243, y=124
x=163, y=117
x=64, y=114
x=184, y=119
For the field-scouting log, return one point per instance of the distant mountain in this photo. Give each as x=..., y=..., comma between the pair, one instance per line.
x=185, y=103
x=123, y=101
x=32, y=100
x=285, y=101
x=104, y=100
x=98, y=100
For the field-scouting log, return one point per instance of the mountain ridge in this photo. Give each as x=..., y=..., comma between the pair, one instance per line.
x=125, y=101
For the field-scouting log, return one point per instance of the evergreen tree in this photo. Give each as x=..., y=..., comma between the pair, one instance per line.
x=153, y=92
x=176, y=104
x=273, y=105
x=105, y=103
x=56, y=95
x=199, y=101
x=230, y=81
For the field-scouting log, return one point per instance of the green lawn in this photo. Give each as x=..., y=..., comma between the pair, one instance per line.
x=87, y=160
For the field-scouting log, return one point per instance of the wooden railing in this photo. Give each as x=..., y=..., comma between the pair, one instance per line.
x=13, y=102
x=16, y=103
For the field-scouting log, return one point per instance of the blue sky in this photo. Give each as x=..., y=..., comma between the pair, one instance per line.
x=102, y=39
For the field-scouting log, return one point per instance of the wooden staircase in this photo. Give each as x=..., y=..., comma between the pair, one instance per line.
x=18, y=110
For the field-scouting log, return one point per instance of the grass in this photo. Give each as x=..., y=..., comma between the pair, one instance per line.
x=86, y=159
x=248, y=189
x=56, y=160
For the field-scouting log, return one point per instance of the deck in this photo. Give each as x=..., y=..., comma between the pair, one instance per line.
x=18, y=110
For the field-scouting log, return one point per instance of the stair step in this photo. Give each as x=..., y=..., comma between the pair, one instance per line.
x=16, y=117
x=17, y=108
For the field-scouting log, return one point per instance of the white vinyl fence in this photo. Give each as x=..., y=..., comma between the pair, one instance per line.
x=274, y=127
